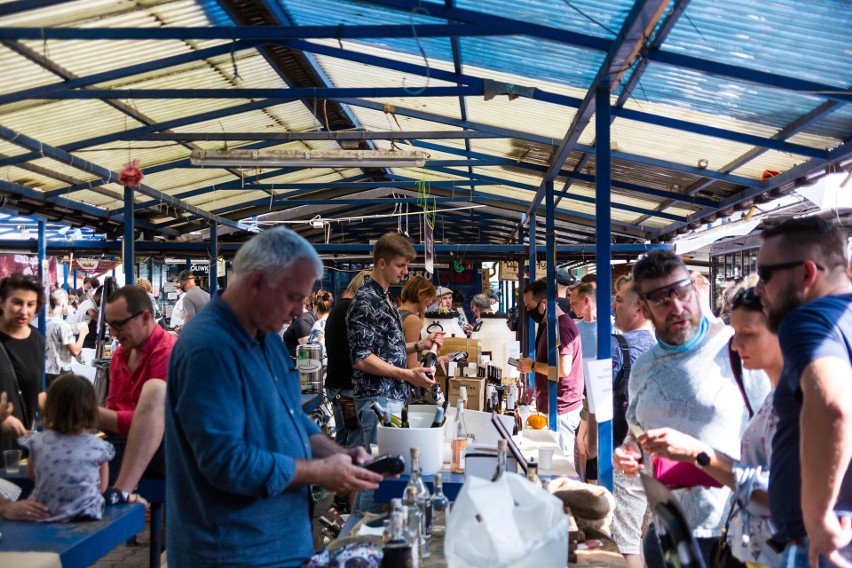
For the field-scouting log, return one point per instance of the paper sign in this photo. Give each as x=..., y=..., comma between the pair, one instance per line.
x=598, y=377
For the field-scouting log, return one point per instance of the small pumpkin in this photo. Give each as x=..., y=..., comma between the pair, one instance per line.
x=537, y=421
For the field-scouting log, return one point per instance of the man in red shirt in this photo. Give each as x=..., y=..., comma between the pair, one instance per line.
x=135, y=407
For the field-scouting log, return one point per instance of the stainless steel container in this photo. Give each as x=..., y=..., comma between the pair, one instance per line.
x=309, y=363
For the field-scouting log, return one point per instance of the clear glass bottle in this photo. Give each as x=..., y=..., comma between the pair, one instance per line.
x=532, y=473
x=415, y=523
x=463, y=396
x=397, y=552
x=460, y=440
x=440, y=507
x=501, y=460
x=424, y=498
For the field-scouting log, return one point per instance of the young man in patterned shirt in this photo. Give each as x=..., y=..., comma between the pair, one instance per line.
x=378, y=347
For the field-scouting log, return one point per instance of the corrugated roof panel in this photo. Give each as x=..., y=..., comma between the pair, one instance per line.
x=838, y=121
x=707, y=94
x=30, y=179
x=293, y=117
x=526, y=115
x=807, y=40
x=770, y=160
x=20, y=73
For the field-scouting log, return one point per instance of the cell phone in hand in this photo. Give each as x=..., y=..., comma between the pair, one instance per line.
x=458, y=356
x=386, y=465
x=514, y=362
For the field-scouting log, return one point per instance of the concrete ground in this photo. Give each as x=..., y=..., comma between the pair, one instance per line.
x=136, y=556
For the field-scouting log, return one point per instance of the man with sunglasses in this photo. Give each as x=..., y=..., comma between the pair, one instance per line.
x=135, y=408
x=805, y=291
x=685, y=382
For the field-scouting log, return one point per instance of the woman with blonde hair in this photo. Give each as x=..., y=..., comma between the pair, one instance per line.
x=322, y=307
x=416, y=296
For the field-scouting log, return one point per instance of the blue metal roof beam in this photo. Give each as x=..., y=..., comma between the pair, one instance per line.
x=797, y=125
x=643, y=17
x=334, y=135
x=455, y=45
x=485, y=25
x=839, y=156
x=45, y=149
x=499, y=161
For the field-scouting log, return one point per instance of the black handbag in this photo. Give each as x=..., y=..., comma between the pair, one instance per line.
x=721, y=555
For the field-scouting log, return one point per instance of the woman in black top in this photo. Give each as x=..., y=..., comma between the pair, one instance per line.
x=22, y=354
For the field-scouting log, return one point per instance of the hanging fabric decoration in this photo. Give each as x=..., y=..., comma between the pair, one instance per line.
x=131, y=175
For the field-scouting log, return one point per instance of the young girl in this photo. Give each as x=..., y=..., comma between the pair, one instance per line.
x=68, y=463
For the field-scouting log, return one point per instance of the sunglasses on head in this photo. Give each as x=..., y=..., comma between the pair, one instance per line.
x=746, y=298
x=766, y=271
x=663, y=296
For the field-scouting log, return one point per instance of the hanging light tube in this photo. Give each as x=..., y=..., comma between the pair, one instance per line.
x=309, y=158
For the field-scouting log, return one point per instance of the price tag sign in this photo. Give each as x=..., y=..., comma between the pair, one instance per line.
x=598, y=377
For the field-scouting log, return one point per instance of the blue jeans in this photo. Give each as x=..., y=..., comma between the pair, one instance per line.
x=364, y=500
x=342, y=435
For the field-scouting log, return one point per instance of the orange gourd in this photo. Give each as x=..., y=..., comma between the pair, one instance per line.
x=537, y=421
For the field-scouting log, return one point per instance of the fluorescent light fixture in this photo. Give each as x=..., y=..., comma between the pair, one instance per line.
x=309, y=158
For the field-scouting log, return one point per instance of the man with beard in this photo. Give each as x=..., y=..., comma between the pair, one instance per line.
x=685, y=383
x=805, y=291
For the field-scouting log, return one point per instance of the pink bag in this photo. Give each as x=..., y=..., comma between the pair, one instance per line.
x=680, y=475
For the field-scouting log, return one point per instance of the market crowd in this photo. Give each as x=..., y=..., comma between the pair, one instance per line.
x=754, y=403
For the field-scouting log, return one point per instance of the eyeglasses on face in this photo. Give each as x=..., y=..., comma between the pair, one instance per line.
x=746, y=298
x=663, y=296
x=766, y=271
x=119, y=325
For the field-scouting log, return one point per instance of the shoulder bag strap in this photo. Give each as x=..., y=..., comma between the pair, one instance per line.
x=737, y=368
x=24, y=410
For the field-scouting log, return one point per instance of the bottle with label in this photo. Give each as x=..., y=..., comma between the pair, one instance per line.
x=501, y=460
x=460, y=440
x=415, y=523
x=510, y=409
x=424, y=498
x=463, y=396
x=397, y=552
x=430, y=359
x=440, y=507
x=384, y=415
x=440, y=415
x=532, y=473
x=404, y=421
x=489, y=401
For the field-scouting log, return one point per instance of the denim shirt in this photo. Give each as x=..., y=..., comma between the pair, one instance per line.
x=375, y=328
x=234, y=430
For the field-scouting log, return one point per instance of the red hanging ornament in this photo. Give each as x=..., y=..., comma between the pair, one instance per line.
x=131, y=175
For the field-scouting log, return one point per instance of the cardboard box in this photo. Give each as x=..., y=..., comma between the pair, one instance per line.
x=475, y=392
x=453, y=344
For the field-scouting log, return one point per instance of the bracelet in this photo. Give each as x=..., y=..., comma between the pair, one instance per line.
x=533, y=366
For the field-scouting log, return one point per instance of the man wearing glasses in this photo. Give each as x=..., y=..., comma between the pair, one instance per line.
x=135, y=406
x=805, y=291
x=685, y=383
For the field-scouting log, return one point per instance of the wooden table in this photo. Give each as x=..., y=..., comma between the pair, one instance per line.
x=78, y=544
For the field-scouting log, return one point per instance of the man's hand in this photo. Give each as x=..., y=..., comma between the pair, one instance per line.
x=337, y=473
x=627, y=459
x=13, y=427
x=417, y=376
x=359, y=455
x=24, y=510
x=525, y=365
x=6, y=407
x=826, y=537
x=435, y=338
x=672, y=444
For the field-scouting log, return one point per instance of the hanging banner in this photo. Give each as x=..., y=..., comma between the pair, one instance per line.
x=429, y=247
x=508, y=270
x=94, y=265
x=26, y=264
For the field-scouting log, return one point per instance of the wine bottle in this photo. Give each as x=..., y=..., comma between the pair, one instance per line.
x=384, y=415
x=460, y=440
x=440, y=507
x=510, y=410
x=440, y=415
x=501, y=460
x=415, y=523
x=532, y=473
x=404, y=422
x=397, y=552
x=424, y=498
x=430, y=359
x=489, y=400
x=463, y=396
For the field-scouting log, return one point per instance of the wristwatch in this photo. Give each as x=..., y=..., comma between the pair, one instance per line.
x=702, y=459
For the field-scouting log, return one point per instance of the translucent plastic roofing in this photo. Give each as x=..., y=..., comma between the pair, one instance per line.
x=707, y=103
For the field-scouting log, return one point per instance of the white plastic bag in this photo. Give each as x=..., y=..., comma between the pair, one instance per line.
x=507, y=523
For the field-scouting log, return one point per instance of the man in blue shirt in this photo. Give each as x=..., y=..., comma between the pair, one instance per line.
x=240, y=453
x=805, y=292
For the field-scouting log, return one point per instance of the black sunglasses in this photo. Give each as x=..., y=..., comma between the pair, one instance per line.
x=766, y=271
x=662, y=296
x=119, y=325
x=746, y=298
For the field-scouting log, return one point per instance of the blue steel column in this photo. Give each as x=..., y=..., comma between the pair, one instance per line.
x=552, y=329
x=42, y=315
x=214, y=251
x=604, y=253
x=531, y=269
x=128, y=247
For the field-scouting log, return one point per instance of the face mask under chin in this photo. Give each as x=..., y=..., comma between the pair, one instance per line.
x=536, y=315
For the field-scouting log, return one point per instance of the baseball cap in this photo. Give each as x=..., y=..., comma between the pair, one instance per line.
x=564, y=278
x=185, y=275
x=442, y=291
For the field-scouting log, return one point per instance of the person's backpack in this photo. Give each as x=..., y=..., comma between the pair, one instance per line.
x=619, y=394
